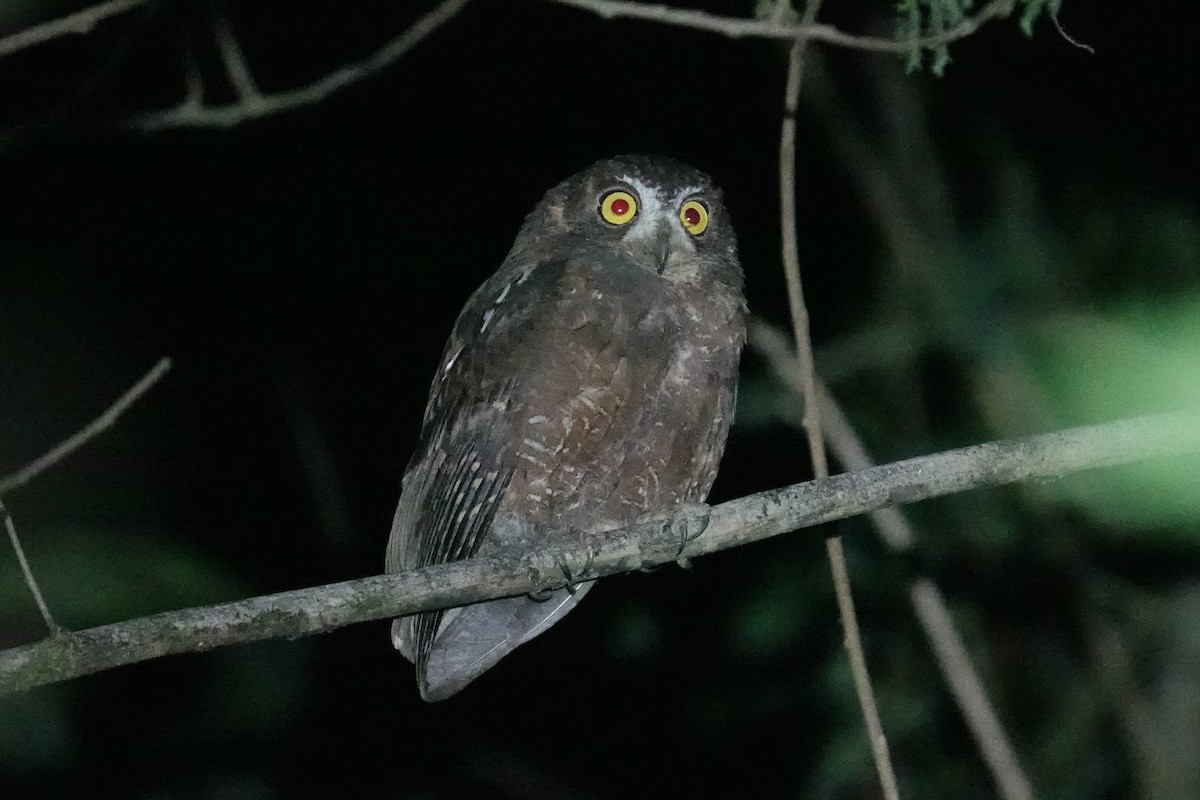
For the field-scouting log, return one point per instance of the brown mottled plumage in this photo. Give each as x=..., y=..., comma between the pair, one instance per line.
x=588, y=384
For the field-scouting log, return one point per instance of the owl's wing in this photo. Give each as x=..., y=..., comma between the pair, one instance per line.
x=459, y=478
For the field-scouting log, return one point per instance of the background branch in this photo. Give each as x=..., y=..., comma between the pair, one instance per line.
x=252, y=103
x=927, y=601
x=97, y=426
x=80, y=22
x=812, y=408
x=27, y=571
x=706, y=530
x=774, y=28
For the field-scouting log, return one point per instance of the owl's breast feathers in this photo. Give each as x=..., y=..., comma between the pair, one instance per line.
x=572, y=396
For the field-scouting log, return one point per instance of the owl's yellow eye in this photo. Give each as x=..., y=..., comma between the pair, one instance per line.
x=694, y=217
x=618, y=207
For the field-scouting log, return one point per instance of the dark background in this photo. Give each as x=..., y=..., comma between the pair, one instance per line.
x=303, y=272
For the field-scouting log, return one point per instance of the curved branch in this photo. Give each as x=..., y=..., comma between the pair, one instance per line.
x=700, y=529
x=772, y=28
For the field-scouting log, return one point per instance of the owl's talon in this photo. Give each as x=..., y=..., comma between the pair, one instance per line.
x=541, y=595
x=569, y=582
x=683, y=528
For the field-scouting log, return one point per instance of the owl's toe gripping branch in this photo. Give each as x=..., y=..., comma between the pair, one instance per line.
x=687, y=531
x=571, y=579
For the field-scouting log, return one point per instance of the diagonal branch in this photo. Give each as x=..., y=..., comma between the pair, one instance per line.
x=81, y=22
x=93, y=429
x=706, y=529
x=232, y=58
x=254, y=104
x=27, y=571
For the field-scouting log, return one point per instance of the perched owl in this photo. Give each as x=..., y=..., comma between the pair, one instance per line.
x=589, y=384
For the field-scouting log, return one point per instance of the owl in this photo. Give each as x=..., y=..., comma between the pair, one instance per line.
x=589, y=384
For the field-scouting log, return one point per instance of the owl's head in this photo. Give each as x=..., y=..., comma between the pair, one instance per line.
x=663, y=215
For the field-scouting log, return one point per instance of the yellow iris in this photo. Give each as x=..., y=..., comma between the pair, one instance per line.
x=618, y=207
x=694, y=217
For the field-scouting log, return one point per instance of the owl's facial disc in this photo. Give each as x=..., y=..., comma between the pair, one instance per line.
x=662, y=230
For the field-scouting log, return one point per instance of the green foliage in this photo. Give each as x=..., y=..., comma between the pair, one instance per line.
x=1137, y=358
x=92, y=576
x=921, y=20
x=1034, y=9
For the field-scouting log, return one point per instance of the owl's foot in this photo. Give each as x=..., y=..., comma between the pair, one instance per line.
x=688, y=526
x=571, y=579
x=542, y=595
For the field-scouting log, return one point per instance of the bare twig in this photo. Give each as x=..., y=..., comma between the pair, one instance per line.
x=30, y=581
x=738, y=522
x=1070, y=39
x=97, y=426
x=83, y=21
x=774, y=28
x=80, y=22
x=949, y=651
x=233, y=59
x=812, y=408
x=52, y=457
x=254, y=104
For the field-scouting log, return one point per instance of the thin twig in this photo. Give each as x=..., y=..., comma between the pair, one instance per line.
x=265, y=104
x=97, y=426
x=30, y=581
x=928, y=604
x=83, y=21
x=812, y=407
x=80, y=22
x=737, y=522
x=232, y=58
x=1070, y=39
x=773, y=28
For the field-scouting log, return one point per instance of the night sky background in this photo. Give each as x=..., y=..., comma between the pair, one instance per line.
x=303, y=271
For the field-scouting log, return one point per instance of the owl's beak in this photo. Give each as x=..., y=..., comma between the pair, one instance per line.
x=662, y=247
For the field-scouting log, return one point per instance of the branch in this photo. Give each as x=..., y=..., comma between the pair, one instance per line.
x=56, y=454
x=232, y=58
x=774, y=28
x=93, y=429
x=928, y=604
x=80, y=22
x=307, y=611
x=852, y=638
x=26, y=571
x=253, y=104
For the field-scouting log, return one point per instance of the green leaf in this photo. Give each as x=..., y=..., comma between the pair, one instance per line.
x=1137, y=359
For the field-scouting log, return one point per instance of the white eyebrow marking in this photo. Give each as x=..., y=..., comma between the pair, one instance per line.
x=503, y=294
x=650, y=198
x=487, y=319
